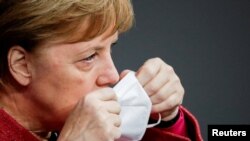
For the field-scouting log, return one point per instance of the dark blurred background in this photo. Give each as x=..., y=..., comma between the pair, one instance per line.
x=208, y=44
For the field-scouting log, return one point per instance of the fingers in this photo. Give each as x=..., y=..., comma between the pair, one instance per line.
x=113, y=107
x=157, y=82
x=162, y=85
x=108, y=100
x=95, y=117
x=106, y=94
x=162, y=94
x=169, y=115
x=148, y=70
x=116, y=120
x=123, y=73
x=116, y=131
x=168, y=96
x=172, y=86
x=167, y=105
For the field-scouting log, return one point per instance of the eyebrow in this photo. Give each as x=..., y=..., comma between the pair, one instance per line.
x=98, y=47
x=101, y=47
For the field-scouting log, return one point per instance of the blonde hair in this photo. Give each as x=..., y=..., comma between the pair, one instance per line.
x=30, y=22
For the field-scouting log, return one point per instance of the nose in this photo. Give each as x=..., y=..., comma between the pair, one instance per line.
x=108, y=74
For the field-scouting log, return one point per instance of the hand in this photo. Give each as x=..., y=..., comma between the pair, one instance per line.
x=95, y=118
x=163, y=87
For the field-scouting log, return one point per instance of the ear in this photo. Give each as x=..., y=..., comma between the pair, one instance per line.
x=18, y=65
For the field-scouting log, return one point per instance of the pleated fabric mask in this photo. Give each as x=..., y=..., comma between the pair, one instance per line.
x=135, y=108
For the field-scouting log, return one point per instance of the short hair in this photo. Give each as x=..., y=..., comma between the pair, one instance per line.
x=30, y=22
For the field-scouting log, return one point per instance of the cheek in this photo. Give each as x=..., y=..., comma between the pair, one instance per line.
x=77, y=88
x=58, y=89
x=71, y=87
x=69, y=93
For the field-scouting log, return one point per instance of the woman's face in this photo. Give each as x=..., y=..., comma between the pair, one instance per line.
x=64, y=73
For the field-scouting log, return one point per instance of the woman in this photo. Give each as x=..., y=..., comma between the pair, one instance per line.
x=56, y=73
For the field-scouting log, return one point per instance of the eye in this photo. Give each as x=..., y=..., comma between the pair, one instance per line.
x=113, y=44
x=90, y=58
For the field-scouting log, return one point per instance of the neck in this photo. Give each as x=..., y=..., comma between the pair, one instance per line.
x=19, y=108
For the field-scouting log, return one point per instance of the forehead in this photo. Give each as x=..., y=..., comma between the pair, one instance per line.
x=100, y=41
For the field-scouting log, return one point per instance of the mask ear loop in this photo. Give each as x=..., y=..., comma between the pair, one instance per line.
x=154, y=124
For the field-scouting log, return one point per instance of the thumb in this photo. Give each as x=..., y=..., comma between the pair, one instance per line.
x=124, y=73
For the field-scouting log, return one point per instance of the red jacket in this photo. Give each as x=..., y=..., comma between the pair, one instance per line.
x=186, y=128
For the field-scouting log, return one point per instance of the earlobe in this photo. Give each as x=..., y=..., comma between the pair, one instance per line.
x=18, y=65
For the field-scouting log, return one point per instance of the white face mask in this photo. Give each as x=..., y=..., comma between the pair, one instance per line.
x=135, y=108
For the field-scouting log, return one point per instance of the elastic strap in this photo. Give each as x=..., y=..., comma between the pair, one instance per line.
x=154, y=124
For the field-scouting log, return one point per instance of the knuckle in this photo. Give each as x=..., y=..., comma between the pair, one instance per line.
x=177, y=78
x=177, y=81
x=152, y=89
x=119, y=108
x=119, y=121
x=170, y=68
x=157, y=59
x=115, y=105
x=150, y=71
x=171, y=104
x=150, y=60
x=179, y=86
x=182, y=91
x=88, y=100
x=160, y=98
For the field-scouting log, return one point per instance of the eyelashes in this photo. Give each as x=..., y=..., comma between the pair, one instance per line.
x=90, y=58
